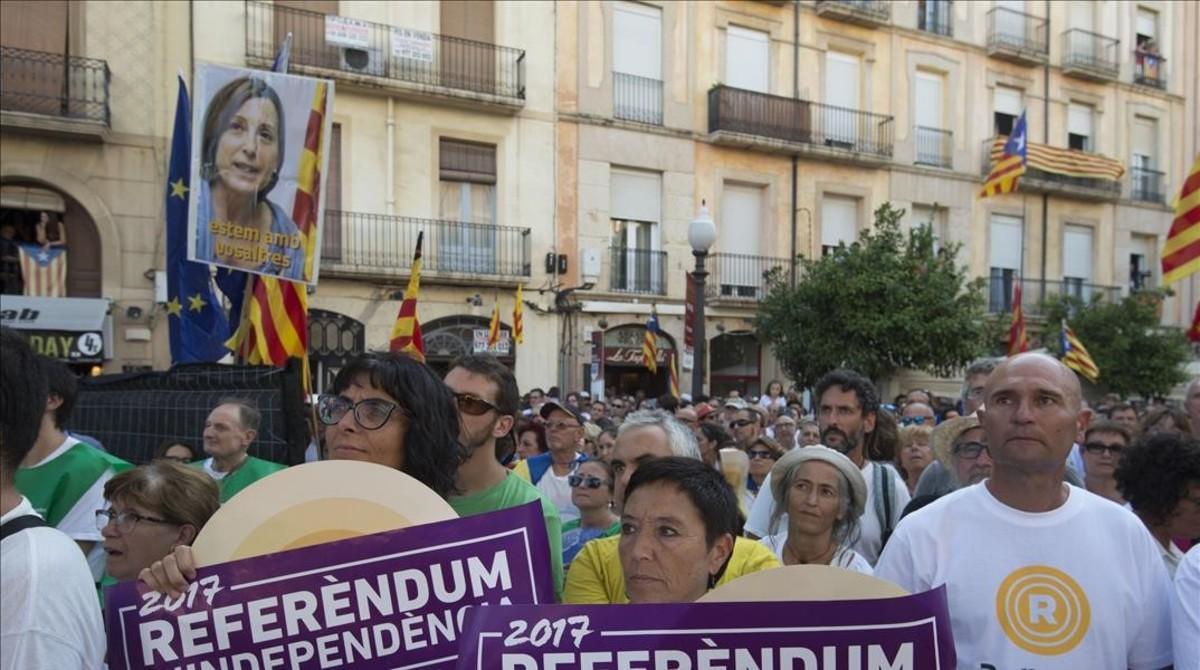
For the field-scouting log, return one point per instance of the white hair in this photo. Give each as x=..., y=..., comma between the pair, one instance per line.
x=681, y=440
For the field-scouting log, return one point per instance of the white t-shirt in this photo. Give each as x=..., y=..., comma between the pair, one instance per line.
x=211, y=471
x=845, y=557
x=80, y=522
x=1185, y=612
x=1171, y=556
x=558, y=491
x=870, y=538
x=1082, y=586
x=49, y=613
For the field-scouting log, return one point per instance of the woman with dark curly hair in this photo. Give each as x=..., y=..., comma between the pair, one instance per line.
x=1160, y=477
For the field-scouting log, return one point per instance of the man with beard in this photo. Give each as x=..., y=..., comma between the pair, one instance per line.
x=846, y=411
x=488, y=403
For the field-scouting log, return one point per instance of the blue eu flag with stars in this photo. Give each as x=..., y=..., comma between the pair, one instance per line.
x=197, y=320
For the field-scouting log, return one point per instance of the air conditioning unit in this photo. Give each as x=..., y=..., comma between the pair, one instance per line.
x=362, y=61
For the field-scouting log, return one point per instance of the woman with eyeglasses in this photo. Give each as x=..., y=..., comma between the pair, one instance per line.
x=763, y=452
x=175, y=450
x=915, y=452
x=153, y=509
x=592, y=492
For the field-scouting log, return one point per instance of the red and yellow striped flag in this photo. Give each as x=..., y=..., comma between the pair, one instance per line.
x=406, y=333
x=1194, y=331
x=1018, y=338
x=674, y=375
x=274, y=322
x=650, y=345
x=1076, y=356
x=1181, y=255
x=494, y=326
x=518, y=334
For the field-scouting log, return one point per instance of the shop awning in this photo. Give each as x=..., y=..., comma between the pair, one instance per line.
x=56, y=314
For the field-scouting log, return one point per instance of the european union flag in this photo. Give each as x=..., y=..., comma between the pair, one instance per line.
x=197, y=320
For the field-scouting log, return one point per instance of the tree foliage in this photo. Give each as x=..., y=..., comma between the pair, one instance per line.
x=885, y=302
x=1135, y=354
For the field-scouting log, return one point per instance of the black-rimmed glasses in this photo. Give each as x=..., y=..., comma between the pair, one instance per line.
x=126, y=521
x=371, y=413
x=971, y=450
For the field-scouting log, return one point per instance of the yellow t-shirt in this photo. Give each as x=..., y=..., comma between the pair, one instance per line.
x=596, y=578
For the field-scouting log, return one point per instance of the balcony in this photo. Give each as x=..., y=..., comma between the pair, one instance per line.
x=740, y=278
x=47, y=93
x=388, y=59
x=359, y=245
x=934, y=147
x=1087, y=55
x=1035, y=291
x=633, y=270
x=1077, y=174
x=1146, y=185
x=787, y=125
x=1017, y=37
x=869, y=13
x=637, y=99
x=1149, y=69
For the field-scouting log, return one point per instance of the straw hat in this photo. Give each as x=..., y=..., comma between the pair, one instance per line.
x=858, y=485
x=945, y=433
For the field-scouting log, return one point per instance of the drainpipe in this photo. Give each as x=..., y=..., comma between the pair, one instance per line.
x=391, y=157
x=1045, y=140
x=795, y=159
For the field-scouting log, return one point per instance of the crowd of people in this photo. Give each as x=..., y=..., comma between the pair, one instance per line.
x=1014, y=485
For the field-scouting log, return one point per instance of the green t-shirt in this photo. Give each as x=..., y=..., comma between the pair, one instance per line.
x=56, y=486
x=251, y=470
x=512, y=492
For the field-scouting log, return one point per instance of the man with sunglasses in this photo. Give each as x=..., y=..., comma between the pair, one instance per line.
x=549, y=471
x=485, y=391
x=746, y=426
x=917, y=413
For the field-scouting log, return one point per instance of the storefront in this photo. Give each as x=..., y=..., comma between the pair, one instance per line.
x=736, y=364
x=77, y=331
x=333, y=339
x=625, y=371
x=450, y=338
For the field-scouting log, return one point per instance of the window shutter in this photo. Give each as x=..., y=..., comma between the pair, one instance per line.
x=467, y=161
x=1007, y=100
x=747, y=59
x=635, y=195
x=928, y=92
x=1004, y=238
x=839, y=220
x=1077, y=252
x=637, y=40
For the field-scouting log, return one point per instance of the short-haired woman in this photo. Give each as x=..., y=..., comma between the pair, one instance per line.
x=915, y=453
x=592, y=492
x=531, y=439
x=823, y=494
x=678, y=526
x=153, y=509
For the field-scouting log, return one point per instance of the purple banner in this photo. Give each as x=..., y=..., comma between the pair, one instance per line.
x=908, y=633
x=391, y=600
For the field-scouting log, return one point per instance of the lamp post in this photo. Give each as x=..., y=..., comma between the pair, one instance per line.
x=702, y=232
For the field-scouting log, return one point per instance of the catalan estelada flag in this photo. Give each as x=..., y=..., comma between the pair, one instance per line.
x=1007, y=170
x=1076, y=356
x=1181, y=255
x=518, y=334
x=274, y=324
x=674, y=375
x=1018, y=338
x=406, y=333
x=494, y=326
x=44, y=270
x=650, y=344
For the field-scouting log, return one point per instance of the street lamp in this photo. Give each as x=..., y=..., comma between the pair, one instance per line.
x=702, y=232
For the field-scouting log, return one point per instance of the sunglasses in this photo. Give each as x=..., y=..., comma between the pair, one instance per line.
x=575, y=481
x=473, y=405
x=741, y=423
x=1098, y=448
x=916, y=421
x=757, y=454
x=971, y=450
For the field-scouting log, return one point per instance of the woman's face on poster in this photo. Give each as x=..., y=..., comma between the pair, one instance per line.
x=248, y=149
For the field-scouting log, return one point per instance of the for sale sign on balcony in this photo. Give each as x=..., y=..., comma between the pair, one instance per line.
x=345, y=32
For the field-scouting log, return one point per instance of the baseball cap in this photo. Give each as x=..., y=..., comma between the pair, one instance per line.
x=736, y=403
x=552, y=405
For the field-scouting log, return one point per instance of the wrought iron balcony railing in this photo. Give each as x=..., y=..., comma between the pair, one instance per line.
x=740, y=277
x=637, y=98
x=1149, y=69
x=47, y=84
x=1146, y=185
x=387, y=52
x=633, y=270
x=1016, y=36
x=1089, y=55
x=800, y=122
x=356, y=243
x=866, y=12
x=934, y=146
x=1035, y=291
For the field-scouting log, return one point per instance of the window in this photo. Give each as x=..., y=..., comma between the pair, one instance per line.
x=1004, y=256
x=1083, y=15
x=932, y=216
x=1141, y=263
x=1077, y=261
x=1007, y=108
x=933, y=16
x=739, y=273
x=1146, y=30
x=841, y=90
x=932, y=141
x=637, y=63
x=839, y=221
x=1145, y=179
x=1010, y=21
x=467, y=194
x=1079, y=126
x=635, y=209
x=747, y=59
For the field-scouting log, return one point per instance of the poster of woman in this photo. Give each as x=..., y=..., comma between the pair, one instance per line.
x=259, y=156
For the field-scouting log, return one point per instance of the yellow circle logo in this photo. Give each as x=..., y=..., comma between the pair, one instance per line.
x=1042, y=610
